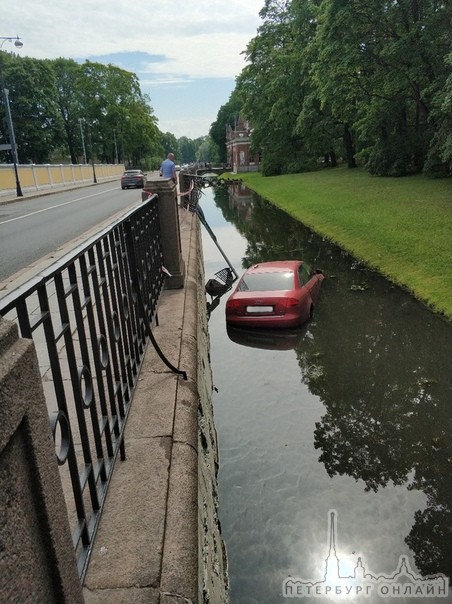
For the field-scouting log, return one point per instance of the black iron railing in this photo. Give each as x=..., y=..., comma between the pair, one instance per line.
x=89, y=316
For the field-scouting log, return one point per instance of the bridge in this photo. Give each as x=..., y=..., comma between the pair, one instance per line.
x=103, y=498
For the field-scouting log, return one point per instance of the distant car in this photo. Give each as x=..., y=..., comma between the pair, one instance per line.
x=133, y=178
x=274, y=294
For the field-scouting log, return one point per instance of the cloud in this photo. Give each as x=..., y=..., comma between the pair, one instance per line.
x=167, y=44
x=204, y=56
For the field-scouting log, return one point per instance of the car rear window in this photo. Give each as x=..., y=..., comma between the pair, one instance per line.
x=271, y=281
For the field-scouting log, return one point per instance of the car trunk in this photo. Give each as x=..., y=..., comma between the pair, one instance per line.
x=269, y=303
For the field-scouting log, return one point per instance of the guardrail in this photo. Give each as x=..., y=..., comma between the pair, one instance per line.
x=47, y=176
x=89, y=316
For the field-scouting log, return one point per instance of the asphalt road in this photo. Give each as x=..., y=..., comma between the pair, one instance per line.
x=33, y=228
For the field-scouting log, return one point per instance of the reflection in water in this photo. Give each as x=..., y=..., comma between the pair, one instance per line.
x=374, y=402
x=267, y=339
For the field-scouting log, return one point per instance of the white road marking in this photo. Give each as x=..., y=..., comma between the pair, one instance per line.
x=56, y=206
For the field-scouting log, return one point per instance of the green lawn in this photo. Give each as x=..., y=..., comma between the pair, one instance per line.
x=400, y=226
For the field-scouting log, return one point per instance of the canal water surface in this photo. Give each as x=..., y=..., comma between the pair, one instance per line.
x=335, y=440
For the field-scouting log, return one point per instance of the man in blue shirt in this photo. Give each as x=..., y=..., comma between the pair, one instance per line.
x=168, y=168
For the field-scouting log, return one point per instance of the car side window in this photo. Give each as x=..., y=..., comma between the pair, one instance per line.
x=304, y=273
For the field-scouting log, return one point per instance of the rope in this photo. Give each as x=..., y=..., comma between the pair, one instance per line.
x=192, y=184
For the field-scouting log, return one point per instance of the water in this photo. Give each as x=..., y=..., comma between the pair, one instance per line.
x=345, y=423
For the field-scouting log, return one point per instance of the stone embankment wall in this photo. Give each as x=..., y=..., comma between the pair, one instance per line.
x=213, y=574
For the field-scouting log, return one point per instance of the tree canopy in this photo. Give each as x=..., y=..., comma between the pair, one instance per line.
x=64, y=111
x=365, y=81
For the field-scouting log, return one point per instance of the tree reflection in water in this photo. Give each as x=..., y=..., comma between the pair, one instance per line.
x=384, y=377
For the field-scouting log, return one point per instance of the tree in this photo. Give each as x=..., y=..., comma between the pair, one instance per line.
x=32, y=94
x=439, y=158
x=169, y=143
x=226, y=116
x=185, y=150
x=378, y=66
x=68, y=75
x=116, y=109
x=366, y=81
x=272, y=87
x=57, y=105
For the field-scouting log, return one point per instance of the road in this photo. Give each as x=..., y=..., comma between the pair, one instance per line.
x=32, y=228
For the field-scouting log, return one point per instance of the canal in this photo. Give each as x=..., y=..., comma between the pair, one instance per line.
x=335, y=440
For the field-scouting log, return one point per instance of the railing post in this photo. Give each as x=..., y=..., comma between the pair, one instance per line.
x=169, y=227
x=37, y=559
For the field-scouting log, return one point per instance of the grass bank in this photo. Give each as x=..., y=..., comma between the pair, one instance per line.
x=400, y=226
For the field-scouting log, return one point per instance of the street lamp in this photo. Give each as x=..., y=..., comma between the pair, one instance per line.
x=12, y=139
x=83, y=140
x=116, y=148
x=91, y=153
x=17, y=41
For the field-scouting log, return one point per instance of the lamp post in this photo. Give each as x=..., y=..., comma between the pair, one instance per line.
x=92, y=156
x=83, y=140
x=17, y=41
x=94, y=170
x=12, y=139
x=116, y=148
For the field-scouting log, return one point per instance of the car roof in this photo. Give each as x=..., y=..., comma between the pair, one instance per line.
x=275, y=266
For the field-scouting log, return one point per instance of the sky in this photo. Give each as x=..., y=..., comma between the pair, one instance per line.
x=185, y=53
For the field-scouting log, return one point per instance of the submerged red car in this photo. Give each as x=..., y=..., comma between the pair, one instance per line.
x=275, y=294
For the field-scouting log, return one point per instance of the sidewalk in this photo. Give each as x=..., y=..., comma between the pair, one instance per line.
x=146, y=548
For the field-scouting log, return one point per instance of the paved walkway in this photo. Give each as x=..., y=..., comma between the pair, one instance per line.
x=146, y=547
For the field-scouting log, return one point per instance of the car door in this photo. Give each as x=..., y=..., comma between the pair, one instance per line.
x=305, y=292
x=310, y=280
x=314, y=282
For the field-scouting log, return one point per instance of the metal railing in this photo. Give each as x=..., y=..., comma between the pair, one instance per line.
x=89, y=315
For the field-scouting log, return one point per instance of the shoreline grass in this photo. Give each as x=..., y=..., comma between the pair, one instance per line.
x=401, y=227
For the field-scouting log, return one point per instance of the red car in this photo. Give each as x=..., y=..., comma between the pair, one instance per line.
x=274, y=294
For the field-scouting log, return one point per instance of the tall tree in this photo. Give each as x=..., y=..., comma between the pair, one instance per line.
x=226, y=116
x=368, y=81
x=272, y=87
x=32, y=98
x=378, y=64
x=185, y=150
x=116, y=110
x=60, y=106
x=68, y=75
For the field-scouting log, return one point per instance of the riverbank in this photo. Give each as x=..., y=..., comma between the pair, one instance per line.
x=401, y=227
